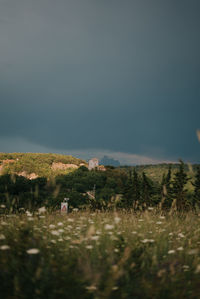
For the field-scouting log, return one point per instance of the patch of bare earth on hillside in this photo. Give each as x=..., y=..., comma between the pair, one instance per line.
x=62, y=166
x=30, y=176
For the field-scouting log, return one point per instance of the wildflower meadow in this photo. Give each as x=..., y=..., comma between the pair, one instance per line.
x=118, y=254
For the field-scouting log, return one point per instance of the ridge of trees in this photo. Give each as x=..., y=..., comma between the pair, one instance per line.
x=113, y=188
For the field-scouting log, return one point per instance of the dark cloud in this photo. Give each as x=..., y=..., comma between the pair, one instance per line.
x=114, y=75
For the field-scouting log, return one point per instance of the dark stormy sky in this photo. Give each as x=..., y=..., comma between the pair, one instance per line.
x=95, y=77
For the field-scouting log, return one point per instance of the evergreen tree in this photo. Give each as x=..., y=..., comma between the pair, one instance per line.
x=178, y=190
x=146, y=190
x=128, y=192
x=136, y=187
x=166, y=189
x=196, y=185
x=132, y=189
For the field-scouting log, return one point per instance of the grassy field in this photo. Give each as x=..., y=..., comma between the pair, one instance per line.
x=100, y=255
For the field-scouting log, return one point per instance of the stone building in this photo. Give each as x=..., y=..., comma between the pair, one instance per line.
x=93, y=163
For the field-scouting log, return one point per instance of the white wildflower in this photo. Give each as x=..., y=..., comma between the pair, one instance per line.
x=33, y=251
x=2, y=237
x=91, y=288
x=4, y=247
x=3, y=206
x=89, y=247
x=171, y=251
x=117, y=219
x=145, y=241
x=4, y=223
x=69, y=227
x=197, y=269
x=95, y=238
x=28, y=214
x=52, y=226
x=70, y=220
x=148, y=241
x=180, y=248
x=108, y=226
x=181, y=235
x=41, y=210
x=60, y=224
x=55, y=233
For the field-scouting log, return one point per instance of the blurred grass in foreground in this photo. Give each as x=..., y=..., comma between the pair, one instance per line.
x=100, y=255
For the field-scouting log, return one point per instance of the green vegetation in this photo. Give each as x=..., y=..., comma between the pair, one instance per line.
x=114, y=188
x=126, y=236
x=39, y=164
x=156, y=172
x=100, y=255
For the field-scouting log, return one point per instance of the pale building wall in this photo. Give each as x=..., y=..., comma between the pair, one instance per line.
x=93, y=163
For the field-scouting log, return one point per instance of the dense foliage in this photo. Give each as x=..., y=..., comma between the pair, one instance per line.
x=110, y=189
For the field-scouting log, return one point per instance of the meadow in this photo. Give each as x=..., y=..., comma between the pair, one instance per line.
x=121, y=254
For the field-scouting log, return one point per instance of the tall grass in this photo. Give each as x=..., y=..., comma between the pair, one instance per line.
x=100, y=255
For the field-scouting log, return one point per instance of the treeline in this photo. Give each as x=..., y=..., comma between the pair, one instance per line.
x=113, y=188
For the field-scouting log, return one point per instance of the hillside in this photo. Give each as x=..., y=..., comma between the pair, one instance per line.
x=156, y=172
x=45, y=179
x=33, y=165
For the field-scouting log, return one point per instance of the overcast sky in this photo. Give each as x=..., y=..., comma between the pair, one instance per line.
x=95, y=77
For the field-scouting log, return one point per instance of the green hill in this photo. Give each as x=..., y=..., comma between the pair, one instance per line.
x=156, y=172
x=33, y=165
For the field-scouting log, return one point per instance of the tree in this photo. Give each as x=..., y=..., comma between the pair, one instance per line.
x=196, y=185
x=178, y=190
x=136, y=187
x=166, y=189
x=128, y=192
x=146, y=190
x=132, y=190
